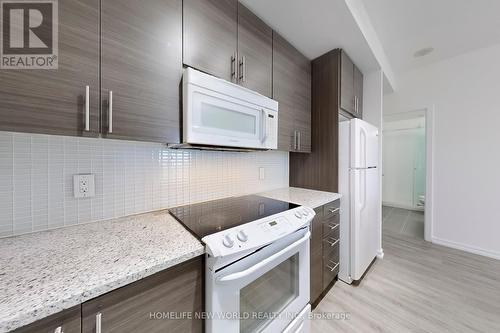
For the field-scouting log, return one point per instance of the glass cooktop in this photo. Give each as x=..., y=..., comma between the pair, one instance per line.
x=209, y=217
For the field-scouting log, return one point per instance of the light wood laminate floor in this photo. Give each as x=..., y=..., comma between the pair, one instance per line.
x=417, y=287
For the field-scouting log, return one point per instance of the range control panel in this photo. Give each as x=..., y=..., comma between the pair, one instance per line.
x=258, y=233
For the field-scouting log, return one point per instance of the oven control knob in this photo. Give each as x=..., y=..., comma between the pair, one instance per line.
x=305, y=212
x=242, y=236
x=228, y=241
x=298, y=214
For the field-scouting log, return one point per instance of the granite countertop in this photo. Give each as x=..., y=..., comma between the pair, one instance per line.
x=302, y=196
x=44, y=273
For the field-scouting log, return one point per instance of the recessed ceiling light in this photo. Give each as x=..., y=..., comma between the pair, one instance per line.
x=423, y=52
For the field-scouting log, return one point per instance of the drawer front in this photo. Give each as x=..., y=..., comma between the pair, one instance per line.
x=330, y=260
x=331, y=248
x=331, y=227
x=330, y=271
x=331, y=209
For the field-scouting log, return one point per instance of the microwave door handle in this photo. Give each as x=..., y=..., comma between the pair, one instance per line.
x=239, y=275
x=264, y=125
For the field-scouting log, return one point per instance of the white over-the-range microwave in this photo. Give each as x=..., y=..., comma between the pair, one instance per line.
x=220, y=114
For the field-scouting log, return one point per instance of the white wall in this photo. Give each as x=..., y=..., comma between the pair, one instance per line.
x=465, y=94
x=372, y=113
x=36, y=178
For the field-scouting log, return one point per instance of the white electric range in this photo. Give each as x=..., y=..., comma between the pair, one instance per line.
x=257, y=263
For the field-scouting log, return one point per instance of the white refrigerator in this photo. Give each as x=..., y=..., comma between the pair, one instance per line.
x=359, y=186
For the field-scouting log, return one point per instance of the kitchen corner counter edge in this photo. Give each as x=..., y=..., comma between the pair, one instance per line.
x=47, y=272
x=302, y=196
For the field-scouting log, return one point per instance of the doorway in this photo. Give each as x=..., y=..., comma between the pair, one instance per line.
x=404, y=174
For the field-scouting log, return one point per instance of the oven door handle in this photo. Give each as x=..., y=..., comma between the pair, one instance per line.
x=239, y=275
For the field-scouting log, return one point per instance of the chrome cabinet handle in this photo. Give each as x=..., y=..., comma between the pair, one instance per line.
x=110, y=112
x=98, y=318
x=298, y=136
x=332, y=244
x=333, y=226
x=87, y=108
x=333, y=211
x=295, y=140
x=233, y=66
x=336, y=264
x=59, y=330
x=242, y=69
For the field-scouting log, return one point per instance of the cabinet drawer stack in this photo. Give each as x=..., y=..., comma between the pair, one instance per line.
x=325, y=246
x=331, y=242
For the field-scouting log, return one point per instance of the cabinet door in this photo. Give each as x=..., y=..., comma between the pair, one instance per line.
x=133, y=308
x=52, y=101
x=292, y=90
x=346, y=84
x=68, y=321
x=255, y=52
x=210, y=36
x=316, y=257
x=358, y=91
x=142, y=67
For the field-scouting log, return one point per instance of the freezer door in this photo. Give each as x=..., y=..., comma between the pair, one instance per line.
x=364, y=221
x=364, y=144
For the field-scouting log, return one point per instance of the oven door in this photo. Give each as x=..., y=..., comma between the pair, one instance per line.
x=263, y=292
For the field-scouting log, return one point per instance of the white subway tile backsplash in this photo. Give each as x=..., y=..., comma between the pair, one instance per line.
x=36, y=178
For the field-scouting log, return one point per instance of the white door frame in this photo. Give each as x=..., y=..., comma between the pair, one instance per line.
x=429, y=173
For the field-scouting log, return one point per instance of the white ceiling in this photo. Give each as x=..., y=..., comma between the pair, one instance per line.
x=451, y=27
x=315, y=27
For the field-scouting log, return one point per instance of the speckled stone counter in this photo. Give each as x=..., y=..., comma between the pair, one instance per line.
x=301, y=196
x=44, y=273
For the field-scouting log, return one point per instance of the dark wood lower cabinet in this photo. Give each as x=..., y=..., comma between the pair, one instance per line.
x=146, y=305
x=168, y=301
x=69, y=321
x=324, y=250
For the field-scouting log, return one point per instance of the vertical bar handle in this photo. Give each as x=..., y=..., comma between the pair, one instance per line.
x=87, y=108
x=299, y=143
x=98, y=318
x=110, y=112
x=233, y=66
x=243, y=71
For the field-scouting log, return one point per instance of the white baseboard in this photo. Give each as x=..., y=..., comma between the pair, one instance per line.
x=396, y=205
x=466, y=248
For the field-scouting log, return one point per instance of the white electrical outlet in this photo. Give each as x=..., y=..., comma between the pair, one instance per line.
x=262, y=173
x=84, y=186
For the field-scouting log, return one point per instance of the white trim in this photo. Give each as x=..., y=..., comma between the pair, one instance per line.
x=429, y=174
x=396, y=205
x=466, y=248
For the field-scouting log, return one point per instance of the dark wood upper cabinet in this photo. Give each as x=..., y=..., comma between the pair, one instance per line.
x=141, y=64
x=319, y=169
x=133, y=308
x=52, y=101
x=292, y=90
x=255, y=52
x=210, y=36
x=346, y=83
x=67, y=321
x=351, y=86
x=358, y=91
